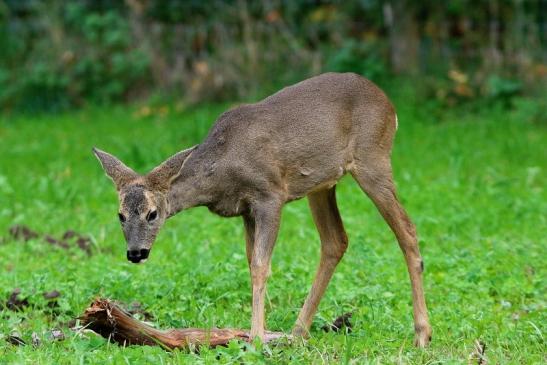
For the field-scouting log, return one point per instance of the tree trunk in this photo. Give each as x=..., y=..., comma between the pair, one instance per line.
x=400, y=19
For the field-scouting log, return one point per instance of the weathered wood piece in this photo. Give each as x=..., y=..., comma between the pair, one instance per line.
x=112, y=322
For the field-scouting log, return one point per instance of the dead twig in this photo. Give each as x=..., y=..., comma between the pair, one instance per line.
x=478, y=353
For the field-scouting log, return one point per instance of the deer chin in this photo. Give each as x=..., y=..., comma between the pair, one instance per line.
x=142, y=262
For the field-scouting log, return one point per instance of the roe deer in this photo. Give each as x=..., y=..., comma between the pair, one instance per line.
x=257, y=157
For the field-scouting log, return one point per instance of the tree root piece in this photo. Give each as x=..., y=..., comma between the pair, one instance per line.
x=112, y=322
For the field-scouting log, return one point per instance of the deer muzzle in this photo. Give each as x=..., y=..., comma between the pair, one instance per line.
x=136, y=256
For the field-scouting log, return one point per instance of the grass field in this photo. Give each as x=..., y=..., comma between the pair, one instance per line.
x=474, y=186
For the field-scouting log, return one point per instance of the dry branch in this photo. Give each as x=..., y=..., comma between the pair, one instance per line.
x=112, y=322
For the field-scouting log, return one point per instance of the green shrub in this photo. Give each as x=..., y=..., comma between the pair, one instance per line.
x=55, y=54
x=92, y=60
x=502, y=90
x=359, y=57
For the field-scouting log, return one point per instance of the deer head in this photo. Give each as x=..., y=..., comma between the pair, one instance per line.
x=144, y=206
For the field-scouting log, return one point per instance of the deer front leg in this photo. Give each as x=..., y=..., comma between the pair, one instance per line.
x=249, y=224
x=266, y=218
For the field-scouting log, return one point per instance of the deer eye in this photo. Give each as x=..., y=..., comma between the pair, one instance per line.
x=152, y=215
x=121, y=217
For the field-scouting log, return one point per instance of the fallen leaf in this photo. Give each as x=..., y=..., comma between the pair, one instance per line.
x=14, y=302
x=339, y=323
x=22, y=233
x=15, y=339
x=54, y=294
x=35, y=339
x=57, y=335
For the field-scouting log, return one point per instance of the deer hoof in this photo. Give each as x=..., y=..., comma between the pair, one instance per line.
x=299, y=332
x=423, y=336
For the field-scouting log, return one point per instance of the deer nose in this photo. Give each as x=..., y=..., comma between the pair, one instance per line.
x=136, y=256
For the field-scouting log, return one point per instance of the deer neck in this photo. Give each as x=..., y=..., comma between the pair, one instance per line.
x=191, y=187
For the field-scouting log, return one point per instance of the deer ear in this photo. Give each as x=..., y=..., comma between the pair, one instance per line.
x=115, y=169
x=162, y=176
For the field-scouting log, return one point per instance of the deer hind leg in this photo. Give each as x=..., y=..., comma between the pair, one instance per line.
x=377, y=183
x=333, y=245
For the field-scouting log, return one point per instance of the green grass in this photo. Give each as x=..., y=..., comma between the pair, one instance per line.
x=474, y=186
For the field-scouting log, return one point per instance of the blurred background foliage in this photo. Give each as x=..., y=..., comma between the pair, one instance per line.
x=58, y=54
